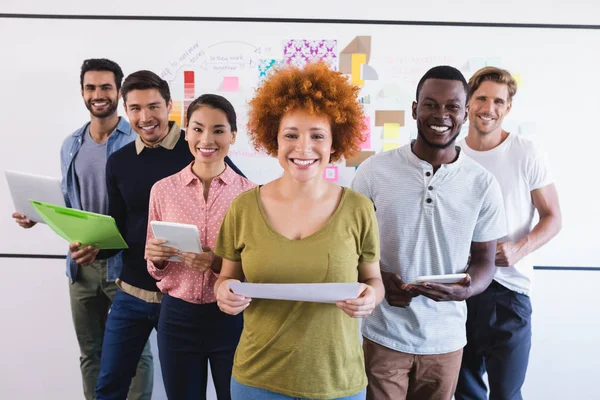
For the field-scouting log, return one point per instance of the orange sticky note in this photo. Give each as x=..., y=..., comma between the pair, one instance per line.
x=357, y=61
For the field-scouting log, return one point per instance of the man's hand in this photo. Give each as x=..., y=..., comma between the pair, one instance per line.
x=397, y=292
x=23, y=221
x=444, y=291
x=507, y=254
x=84, y=256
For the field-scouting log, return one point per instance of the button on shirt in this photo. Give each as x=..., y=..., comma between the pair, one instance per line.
x=427, y=222
x=179, y=198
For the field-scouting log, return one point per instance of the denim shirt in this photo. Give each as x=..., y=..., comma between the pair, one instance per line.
x=122, y=135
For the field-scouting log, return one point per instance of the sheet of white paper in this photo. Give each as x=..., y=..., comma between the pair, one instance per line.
x=314, y=292
x=24, y=187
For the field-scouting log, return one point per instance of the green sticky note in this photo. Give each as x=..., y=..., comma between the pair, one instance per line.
x=84, y=227
x=391, y=131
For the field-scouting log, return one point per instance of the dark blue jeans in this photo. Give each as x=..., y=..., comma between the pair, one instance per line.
x=190, y=336
x=128, y=327
x=498, y=341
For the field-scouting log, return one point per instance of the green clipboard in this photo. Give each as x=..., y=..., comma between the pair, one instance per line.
x=84, y=227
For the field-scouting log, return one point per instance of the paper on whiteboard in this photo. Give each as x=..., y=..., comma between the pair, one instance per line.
x=313, y=292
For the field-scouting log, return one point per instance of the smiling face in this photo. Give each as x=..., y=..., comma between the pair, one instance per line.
x=209, y=135
x=148, y=114
x=304, y=145
x=100, y=93
x=488, y=106
x=440, y=112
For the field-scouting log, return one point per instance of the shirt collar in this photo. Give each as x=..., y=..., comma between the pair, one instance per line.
x=188, y=176
x=168, y=141
x=412, y=157
x=122, y=127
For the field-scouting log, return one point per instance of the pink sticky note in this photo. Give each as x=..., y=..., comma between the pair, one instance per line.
x=331, y=173
x=366, y=134
x=231, y=84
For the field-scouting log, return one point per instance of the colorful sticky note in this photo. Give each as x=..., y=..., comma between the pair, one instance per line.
x=301, y=52
x=188, y=85
x=359, y=45
x=266, y=66
x=177, y=112
x=391, y=130
x=383, y=116
x=366, y=134
x=231, y=84
x=357, y=61
x=517, y=77
x=368, y=73
x=331, y=173
x=390, y=146
x=359, y=158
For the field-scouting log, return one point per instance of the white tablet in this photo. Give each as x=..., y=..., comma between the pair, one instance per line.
x=451, y=278
x=24, y=187
x=183, y=237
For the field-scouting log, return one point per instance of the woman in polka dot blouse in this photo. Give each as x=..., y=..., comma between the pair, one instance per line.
x=192, y=329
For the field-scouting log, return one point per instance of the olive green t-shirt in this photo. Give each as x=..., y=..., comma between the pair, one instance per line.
x=300, y=349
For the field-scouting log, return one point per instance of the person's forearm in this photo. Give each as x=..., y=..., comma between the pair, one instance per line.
x=377, y=284
x=219, y=281
x=481, y=270
x=216, y=264
x=547, y=227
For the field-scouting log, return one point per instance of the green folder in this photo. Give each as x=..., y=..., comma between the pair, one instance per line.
x=84, y=227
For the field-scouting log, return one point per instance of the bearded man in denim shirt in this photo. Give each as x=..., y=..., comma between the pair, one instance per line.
x=92, y=276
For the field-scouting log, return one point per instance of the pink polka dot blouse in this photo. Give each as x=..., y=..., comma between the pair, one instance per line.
x=179, y=198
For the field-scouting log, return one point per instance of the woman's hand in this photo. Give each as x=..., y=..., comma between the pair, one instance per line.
x=361, y=306
x=201, y=262
x=159, y=254
x=229, y=302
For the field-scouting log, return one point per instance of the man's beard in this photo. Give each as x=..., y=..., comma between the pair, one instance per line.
x=112, y=107
x=438, y=146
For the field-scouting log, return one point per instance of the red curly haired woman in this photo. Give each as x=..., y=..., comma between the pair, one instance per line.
x=301, y=228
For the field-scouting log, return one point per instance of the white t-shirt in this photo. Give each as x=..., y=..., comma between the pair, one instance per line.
x=520, y=167
x=427, y=223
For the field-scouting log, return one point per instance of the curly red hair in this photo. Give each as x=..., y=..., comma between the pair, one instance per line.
x=315, y=89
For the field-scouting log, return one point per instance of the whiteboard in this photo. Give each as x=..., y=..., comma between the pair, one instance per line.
x=555, y=105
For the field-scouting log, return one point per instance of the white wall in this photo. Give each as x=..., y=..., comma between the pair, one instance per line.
x=39, y=355
x=532, y=11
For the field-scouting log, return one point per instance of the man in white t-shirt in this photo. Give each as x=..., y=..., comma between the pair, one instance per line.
x=434, y=206
x=499, y=319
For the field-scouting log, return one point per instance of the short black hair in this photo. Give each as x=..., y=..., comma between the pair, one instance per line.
x=444, y=72
x=101, y=64
x=217, y=102
x=144, y=80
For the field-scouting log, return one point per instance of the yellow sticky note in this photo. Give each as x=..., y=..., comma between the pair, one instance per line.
x=391, y=130
x=357, y=61
x=390, y=146
x=517, y=77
